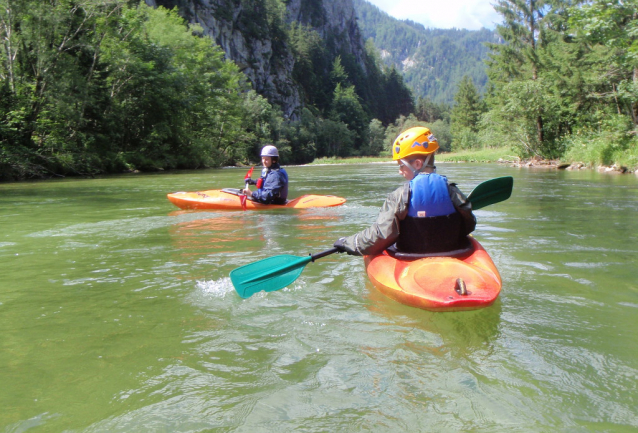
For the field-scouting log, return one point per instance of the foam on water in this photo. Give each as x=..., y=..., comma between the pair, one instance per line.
x=217, y=288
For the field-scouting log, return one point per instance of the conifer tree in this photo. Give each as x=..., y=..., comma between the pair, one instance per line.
x=518, y=59
x=397, y=96
x=469, y=106
x=429, y=111
x=346, y=108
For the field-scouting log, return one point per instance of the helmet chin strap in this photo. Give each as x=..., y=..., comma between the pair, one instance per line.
x=407, y=164
x=412, y=169
x=427, y=161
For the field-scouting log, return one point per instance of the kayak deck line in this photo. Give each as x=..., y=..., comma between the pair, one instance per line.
x=229, y=200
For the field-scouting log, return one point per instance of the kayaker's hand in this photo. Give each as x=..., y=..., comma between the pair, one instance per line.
x=248, y=192
x=340, y=246
x=249, y=181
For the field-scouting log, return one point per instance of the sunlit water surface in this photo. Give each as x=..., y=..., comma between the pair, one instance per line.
x=117, y=313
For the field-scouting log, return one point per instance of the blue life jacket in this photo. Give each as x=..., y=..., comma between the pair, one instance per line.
x=429, y=196
x=432, y=224
x=274, y=186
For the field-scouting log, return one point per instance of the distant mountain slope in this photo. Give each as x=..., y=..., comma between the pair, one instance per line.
x=432, y=61
x=253, y=35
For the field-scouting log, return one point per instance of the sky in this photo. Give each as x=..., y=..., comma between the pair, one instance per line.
x=443, y=14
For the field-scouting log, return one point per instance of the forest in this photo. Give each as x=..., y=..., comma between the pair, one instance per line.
x=90, y=87
x=564, y=84
x=432, y=61
x=110, y=86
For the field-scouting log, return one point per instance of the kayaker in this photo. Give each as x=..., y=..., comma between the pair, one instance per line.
x=272, y=186
x=425, y=215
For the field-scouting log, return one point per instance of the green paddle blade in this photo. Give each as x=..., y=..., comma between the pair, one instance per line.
x=270, y=274
x=491, y=191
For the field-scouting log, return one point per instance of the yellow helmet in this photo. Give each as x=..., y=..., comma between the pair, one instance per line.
x=414, y=141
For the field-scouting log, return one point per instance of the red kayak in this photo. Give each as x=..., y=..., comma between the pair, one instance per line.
x=230, y=199
x=462, y=280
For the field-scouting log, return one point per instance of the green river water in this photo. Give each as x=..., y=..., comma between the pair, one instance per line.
x=117, y=313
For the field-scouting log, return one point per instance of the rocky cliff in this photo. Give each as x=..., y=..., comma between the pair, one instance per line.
x=240, y=29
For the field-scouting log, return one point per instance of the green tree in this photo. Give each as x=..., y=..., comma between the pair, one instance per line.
x=441, y=130
x=98, y=86
x=175, y=97
x=469, y=106
x=312, y=63
x=296, y=140
x=347, y=109
x=376, y=139
x=51, y=58
x=466, y=115
x=613, y=24
x=338, y=74
x=517, y=59
x=430, y=111
x=398, y=98
x=334, y=138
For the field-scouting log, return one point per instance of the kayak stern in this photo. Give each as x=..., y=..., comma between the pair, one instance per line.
x=432, y=283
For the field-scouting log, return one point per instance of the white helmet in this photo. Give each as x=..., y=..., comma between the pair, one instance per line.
x=270, y=151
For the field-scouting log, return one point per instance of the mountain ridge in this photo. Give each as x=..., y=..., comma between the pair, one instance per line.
x=432, y=61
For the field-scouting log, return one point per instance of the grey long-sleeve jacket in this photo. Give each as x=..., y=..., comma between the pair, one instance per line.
x=385, y=231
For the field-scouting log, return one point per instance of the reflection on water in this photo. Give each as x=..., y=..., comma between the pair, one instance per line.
x=204, y=236
x=117, y=313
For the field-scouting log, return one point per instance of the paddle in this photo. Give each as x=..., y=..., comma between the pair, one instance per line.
x=277, y=272
x=491, y=191
x=271, y=274
x=242, y=197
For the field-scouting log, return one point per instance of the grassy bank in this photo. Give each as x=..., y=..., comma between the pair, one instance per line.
x=482, y=155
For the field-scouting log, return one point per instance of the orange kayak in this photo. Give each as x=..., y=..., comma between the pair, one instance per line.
x=467, y=280
x=230, y=200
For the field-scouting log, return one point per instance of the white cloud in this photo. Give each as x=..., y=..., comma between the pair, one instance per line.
x=462, y=14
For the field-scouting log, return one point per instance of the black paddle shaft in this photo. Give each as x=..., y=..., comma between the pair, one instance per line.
x=314, y=257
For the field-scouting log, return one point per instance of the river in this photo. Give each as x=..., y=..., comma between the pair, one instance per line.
x=117, y=313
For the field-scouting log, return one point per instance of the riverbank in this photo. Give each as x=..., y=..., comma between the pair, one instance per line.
x=539, y=163
x=496, y=155
x=483, y=155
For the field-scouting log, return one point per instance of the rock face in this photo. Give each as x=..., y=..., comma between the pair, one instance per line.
x=269, y=64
